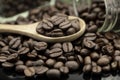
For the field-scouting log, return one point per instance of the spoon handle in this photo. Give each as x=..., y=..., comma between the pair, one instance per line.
x=19, y=29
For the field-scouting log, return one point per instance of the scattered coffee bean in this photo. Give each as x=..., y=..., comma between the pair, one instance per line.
x=53, y=74
x=96, y=69
x=41, y=70
x=67, y=47
x=72, y=65
x=20, y=68
x=64, y=70
x=58, y=65
x=87, y=68
x=40, y=46
x=103, y=61
x=29, y=72
x=50, y=62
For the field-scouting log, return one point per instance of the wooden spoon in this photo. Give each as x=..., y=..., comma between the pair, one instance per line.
x=30, y=30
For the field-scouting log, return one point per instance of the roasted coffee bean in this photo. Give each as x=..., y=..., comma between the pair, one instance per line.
x=102, y=41
x=65, y=25
x=29, y=63
x=44, y=58
x=117, y=53
x=94, y=64
x=79, y=59
x=33, y=54
x=56, y=52
x=64, y=70
x=87, y=68
x=96, y=69
x=118, y=65
x=87, y=60
x=12, y=57
x=71, y=58
x=62, y=58
x=14, y=43
x=84, y=52
x=106, y=68
x=7, y=65
x=2, y=44
x=19, y=62
x=57, y=45
x=117, y=43
x=90, y=36
x=67, y=47
x=53, y=74
x=72, y=65
x=40, y=46
x=38, y=63
x=92, y=28
x=94, y=56
x=77, y=49
x=59, y=20
x=108, y=49
x=114, y=65
x=41, y=70
x=23, y=51
x=117, y=58
x=20, y=68
x=3, y=59
x=103, y=61
x=71, y=31
x=29, y=72
x=110, y=35
x=75, y=23
x=50, y=62
x=58, y=65
x=55, y=33
x=89, y=44
x=47, y=25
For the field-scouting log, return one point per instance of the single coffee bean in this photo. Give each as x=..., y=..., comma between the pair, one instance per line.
x=7, y=65
x=40, y=46
x=114, y=65
x=94, y=56
x=19, y=62
x=23, y=51
x=44, y=58
x=72, y=65
x=70, y=58
x=13, y=57
x=106, y=68
x=96, y=69
x=20, y=68
x=109, y=49
x=47, y=25
x=79, y=59
x=103, y=61
x=65, y=25
x=56, y=45
x=92, y=28
x=59, y=20
x=87, y=60
x=57, y=65
x=75, y=23
x=32, y=55
x=117, y=58
x=56, y=52
x=14, y=43
x=29, y=63
x=117, y=43
x=94, y=64
x=77, y=49
x=90, y=36
x=50, y=62
x=3, y=59
x=41, y=70
x=64, y=70
x=71, y=31
x=84, y=52
x=53, y=74
x=89, y=44
x=117, y=53
x=62, y=58
x=87, y=68
x=55, y=33
x=2, y=44
x=110, y=35
x=67, y=47
x=29, y=72
x=38, y=63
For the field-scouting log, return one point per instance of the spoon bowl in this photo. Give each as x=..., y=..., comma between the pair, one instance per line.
x=30, y=30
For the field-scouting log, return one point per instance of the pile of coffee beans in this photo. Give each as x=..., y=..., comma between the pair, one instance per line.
x=94, y=53
x=58, y=25
x=13, y=7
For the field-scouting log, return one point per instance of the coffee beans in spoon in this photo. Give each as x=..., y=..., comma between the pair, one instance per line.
x=58, y=25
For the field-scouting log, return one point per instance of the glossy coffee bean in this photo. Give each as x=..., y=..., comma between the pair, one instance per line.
x=67, y=47
x=40, y=46
x=53, y=74
x=41, y=70
x=29, y=72
x=72, y=65
x=64, y=70
x=50, y=62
